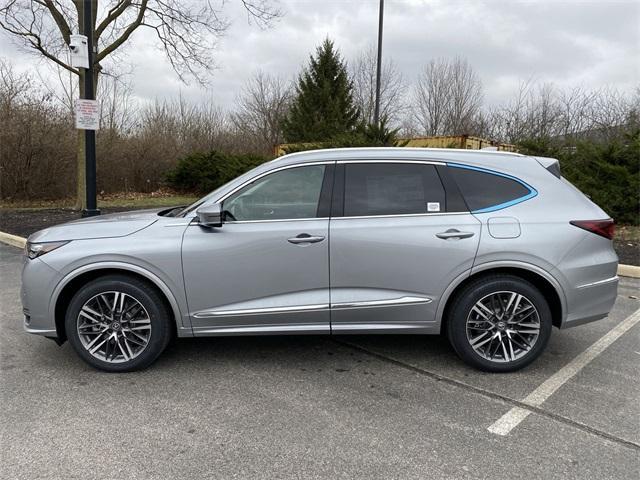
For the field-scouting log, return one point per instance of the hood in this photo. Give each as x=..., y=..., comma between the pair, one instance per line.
x=102, y=226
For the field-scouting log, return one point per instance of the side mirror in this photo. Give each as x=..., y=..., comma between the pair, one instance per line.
x=210, y=215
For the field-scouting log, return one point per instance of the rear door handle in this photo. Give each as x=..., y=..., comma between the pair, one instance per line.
x=453, y=233
x=305, y=238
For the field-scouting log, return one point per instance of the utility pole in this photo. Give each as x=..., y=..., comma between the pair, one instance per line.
x=376, y=113
x=90, y=135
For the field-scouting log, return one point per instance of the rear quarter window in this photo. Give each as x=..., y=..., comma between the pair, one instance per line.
x=487, y=191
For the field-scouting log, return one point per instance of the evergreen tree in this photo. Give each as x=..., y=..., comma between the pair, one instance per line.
x=323, y=106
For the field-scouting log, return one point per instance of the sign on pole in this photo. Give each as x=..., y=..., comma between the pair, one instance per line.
x=87, y=114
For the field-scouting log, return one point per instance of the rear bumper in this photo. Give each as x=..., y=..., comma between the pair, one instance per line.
x=591, y=301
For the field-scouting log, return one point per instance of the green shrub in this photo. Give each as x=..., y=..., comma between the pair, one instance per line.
x=606, y=171
x=204, y=172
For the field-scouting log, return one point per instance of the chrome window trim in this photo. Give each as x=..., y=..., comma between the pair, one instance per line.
x=306, y=219
x=360, y=217
x=400, y=215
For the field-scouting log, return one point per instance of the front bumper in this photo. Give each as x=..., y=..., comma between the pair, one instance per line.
x=38, y=283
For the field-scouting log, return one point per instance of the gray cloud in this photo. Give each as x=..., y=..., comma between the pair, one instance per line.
x=565, y=42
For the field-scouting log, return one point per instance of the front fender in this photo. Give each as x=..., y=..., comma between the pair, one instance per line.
x=182, y=328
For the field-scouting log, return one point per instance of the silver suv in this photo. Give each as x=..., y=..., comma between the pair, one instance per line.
x=491, y=249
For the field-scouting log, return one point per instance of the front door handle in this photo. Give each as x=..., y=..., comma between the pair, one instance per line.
x=453, y=233
x=304, y=238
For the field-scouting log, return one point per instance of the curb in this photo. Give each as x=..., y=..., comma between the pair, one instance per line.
x=20, y=242
x=13, y=240
x=628, y=271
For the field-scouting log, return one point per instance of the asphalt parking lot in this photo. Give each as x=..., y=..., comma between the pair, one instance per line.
x=319, y=407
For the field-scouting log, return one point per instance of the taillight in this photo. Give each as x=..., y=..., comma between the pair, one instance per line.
x=604, y=228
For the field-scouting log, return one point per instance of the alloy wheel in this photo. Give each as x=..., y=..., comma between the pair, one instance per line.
x=114, y=327
x=503, y=326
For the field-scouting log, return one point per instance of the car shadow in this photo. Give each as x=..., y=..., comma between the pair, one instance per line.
x=303, y=348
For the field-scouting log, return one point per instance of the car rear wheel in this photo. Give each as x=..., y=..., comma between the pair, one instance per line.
x=118, y=323
x=499, y=323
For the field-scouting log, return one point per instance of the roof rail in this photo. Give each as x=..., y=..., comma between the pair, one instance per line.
x=424, y=149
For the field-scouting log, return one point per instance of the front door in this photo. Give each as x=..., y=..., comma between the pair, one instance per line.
x=266, y=269
x=397, y=242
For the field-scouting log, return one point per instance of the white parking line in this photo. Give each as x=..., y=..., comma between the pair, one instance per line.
x=513, y=417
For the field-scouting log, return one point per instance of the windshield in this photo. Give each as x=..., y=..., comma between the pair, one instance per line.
x=197, y=203
x=217, y=191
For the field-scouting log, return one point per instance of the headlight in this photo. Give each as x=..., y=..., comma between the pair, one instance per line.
x=34, y=250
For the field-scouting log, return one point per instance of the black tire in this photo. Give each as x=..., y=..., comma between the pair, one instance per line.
x=147, y=296
x=465, y=300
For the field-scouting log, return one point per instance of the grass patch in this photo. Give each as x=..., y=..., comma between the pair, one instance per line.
x=119, y=200
x=150, y=202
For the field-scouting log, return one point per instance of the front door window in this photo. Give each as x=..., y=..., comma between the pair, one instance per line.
x=288, y=194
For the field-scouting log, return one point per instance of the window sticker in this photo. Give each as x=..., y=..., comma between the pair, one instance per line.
x=433, y=206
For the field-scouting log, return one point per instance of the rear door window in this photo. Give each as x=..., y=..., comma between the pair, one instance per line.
x=486, y=191
x=392, y=189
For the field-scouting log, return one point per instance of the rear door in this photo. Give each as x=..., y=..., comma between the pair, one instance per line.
x=397, y=240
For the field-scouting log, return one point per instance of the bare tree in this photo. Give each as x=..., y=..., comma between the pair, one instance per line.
x=431, y=95
x=522, y=116
x=448, y=96
x=574, y=105
x=64, y=88
x=185, y=30
x=610, y=110
x=12, y=87
x=262, y=106
x=465, y=96
x=34, y=139
x=544, y=111
x=484, y=124
x=392, y=88
x=114, y=91
x=116, y=107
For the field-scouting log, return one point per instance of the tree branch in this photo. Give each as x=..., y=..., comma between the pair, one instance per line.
x=126, y=34
x=113, y=14
x=35, y=42
x=59, y=19
x=260, y=11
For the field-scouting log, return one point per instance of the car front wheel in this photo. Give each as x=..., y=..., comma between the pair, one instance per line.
x=499, y=323
x=118, y=323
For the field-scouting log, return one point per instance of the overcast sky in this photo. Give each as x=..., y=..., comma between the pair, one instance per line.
x=591, y=44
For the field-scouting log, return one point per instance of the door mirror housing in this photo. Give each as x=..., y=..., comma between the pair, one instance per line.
x=210, y=215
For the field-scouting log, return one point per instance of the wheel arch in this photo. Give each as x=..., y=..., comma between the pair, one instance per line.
x=65, y=290
x=541, y=279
